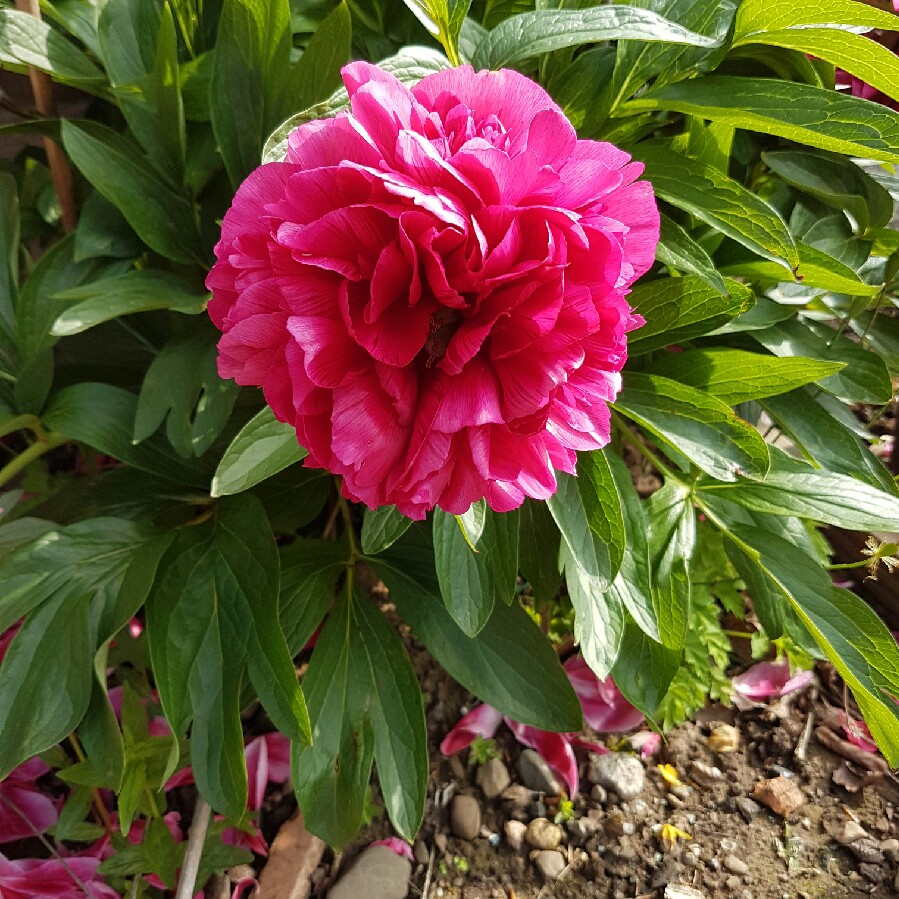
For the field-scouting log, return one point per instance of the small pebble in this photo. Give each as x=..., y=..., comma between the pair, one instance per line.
x=376, y=866
x=678, y=891
x=747, y=808
x=618, y=771
x=848, y=832
x=440, y=841
x=536, y=774
x=890, y=848
x=736, y=865
x=515, y=831
x=874, y=873
x=867, y=851
x=465, y=817
x=493, y=777
x=543, y=834
x=705, y=775
x=781, y=794
x=598, y=794
x=549, y=863
x=724, y=738
x=420, y=852
x=733, y=883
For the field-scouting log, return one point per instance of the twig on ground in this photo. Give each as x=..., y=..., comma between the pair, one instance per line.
x=802, y=746
x=427, y=884
x=196, y=839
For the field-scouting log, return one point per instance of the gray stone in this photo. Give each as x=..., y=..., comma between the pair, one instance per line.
x=867, y=850
x=378, y=873
x=440, y=841
x=465, y=817
x=543, y=834
x=420, y=852
x=679, y=891
x=733, y=883
x=598, y=794
x=536, y=774
x=747, y=807
x=890, y=848
x=736, y=865
x=849, y=832
x=874, y=873
x=493, y=778
x=549, y=863
x=618, y=771
x=515, y=831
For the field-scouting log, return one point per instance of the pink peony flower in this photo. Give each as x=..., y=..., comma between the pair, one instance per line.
x=55, y=878
x=25, y=809
x=605, y=710
x=431, y=288
x=767, y=680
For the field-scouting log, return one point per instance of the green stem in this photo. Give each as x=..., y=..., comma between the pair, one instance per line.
x=35, y=451
x=861, y=563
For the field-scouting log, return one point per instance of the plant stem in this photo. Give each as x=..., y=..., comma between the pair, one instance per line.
x=196, y=839
x=644, y=450
x=861, y=563
x=35, y=451
x=96, y=798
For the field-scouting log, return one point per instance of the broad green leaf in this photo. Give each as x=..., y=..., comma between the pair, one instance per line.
x=262, y=448
x=99, y=731
x=182, y=387
x=693, y=423
x=735, y=376
x=331, y=776
x=808, y=115
x=854, y=639
x=309, y=573
x=633, y=585
x=672, y=540
x=474, y=574
x=816, y=269
x=835, y=499
x=864, y=379
x=825, y=440
x=27, y=41
x=409, y=66
x=510, y=664
x=249, y=74
x=758, y=16
x=678, y=309
x=317, y=72
x=532, y=33
x=678, y=250
x=719, y=201
x=381, y=528
x=398, y=721
x=9, y=271
x=103, y=231
x=162, y=218
x=763, y=315
x=539, y=540
x=602, y=503
x=574, y=88
x=837, y=182
x=101, y=416
x=212, y=618
x=142, y=290
x=569, y=509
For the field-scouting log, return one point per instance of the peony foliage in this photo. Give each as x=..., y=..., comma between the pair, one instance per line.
x=586, y=315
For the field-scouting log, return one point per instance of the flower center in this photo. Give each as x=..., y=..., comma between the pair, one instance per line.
x=442, y=327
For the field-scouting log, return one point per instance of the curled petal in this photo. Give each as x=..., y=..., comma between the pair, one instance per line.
x=605, y=709
x=554, y=749
x=400, y=847
x=767, y=680
x=482, y=721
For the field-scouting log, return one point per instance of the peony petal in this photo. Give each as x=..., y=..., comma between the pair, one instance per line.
x=482, y=721
x=553, y=748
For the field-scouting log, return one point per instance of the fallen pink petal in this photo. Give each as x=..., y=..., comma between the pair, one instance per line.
x=767, y=680
x=481, y=722
x=25, y=808
x=400, y=847
x=604, y=707
x=554, y=749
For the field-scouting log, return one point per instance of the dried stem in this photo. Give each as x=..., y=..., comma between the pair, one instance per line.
x=60, y=171
x=196, y=839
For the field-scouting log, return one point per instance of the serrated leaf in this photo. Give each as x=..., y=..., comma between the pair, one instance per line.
x=678, y=309
x=263, y=447
x=719, y=201
x=808, y=115
x=735, y=376
x=543, y=31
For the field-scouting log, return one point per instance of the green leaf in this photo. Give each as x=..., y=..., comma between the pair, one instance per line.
x=864, y=379
x=45, y=678
x=696, y=424
x=678, y=309
x=510, y=664
x=182, y=387
x=474, y=571
x=672, y=540
x=317, y=72
x=539, y=540
x=263, y=447
x=443, y=20
x=735, y=376
x=162, y=218
x=819, y=495
x=719, y=201
x=826, y=441
x=809, y=115
x=27, y=41
x=602, y=504
x=331, y=776
x=381, y=528
x=678, y=250
x=309, y=573
x=852, y=637
x=142, y=290
x=212, y=618
x=837, y=182
x=756, y=17
x=252, y=57
x=532, y=33
x=765, y=313
x=101, y=415
x=103, y=231
x=398, y=722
